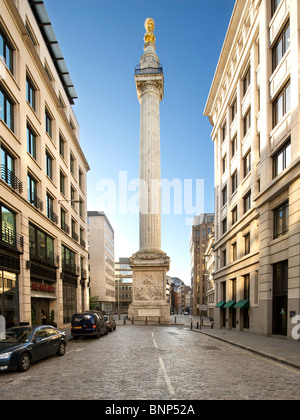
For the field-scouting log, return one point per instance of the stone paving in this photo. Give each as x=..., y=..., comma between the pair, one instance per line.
x=153, y=363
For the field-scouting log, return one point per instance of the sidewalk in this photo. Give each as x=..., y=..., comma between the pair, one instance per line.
x=278, y=349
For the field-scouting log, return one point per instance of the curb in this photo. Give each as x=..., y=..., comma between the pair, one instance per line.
x=252, y=350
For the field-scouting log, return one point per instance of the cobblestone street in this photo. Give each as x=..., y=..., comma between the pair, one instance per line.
x=153, y=363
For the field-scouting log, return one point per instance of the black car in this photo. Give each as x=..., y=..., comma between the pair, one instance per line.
x=88, y=324
x=25, y=345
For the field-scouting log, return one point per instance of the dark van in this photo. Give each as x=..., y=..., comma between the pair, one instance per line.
x=88, y=324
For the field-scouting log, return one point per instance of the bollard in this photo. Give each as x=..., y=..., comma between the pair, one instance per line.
x=146, y=322
x=159, y=320
x=197, y=325
x=124, y=321
x=212, y=324
x=191, y=325
x=175, y=320
x=132, y=320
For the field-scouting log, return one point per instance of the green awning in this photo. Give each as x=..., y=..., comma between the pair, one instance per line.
x=229, y=304
x=220, y=304
x=242, y=304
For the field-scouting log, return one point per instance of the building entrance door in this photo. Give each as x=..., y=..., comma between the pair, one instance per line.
x=280, y=298
x=40, y=311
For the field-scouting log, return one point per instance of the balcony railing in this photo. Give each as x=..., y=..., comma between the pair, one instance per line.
x=35, y=200
x=41, y=254
x=52, y=216
x=148, y=70
x=10, y=178
x=70, y=268
x=11, y=239
x=65, y=227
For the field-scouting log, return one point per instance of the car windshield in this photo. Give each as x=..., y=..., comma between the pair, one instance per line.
x=16, y=335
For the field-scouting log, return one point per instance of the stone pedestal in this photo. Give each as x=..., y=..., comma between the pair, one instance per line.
x=149, y=270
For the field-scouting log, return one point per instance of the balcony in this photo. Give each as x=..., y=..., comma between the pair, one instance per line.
x=10, y=178
x=148, y=70
x=10, y=239
x=35, y=200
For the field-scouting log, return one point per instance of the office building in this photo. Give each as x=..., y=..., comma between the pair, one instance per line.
x=253, y=106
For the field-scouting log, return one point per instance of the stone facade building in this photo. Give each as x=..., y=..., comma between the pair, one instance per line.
x=43, y=255
x=201, y=229
x=101, y=260
x=253, y=106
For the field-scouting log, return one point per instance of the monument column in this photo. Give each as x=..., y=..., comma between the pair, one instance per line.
x=150, y=265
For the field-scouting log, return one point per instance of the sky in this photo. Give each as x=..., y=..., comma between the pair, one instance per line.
x=102, y=41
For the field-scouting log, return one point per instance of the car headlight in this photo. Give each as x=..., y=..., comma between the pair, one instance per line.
x=5, y=356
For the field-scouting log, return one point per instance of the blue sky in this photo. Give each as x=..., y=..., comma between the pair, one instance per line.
x=102, y=42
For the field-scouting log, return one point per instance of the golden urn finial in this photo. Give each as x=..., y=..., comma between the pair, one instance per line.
x=149, y=26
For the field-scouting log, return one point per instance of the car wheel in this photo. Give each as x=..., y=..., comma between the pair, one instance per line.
x=98, y=333
x=106, y=331
x=24, y=362
x=62, y=350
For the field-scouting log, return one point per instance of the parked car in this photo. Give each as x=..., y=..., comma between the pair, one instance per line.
x=111, y=323
x=22, y=346
x=88, y=324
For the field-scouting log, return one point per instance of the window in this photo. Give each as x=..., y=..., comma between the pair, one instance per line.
x=282, y=158
x=234, y=215
x=247, y=122
x=30, y=93
x=282, y=104
x=63, y=224
x=246, y=81
x=224, y=258
x=80, y=178
x=6, y=51
x=224, y=163
x=281, y=220
x=233, y=110
x=7, y=167
x=72, y=164
x=274, y=5
x=234, y=146
x=50, y=204
x=31, y=142
x=61, y=146
x=68, y=260
x=73, y=230
x=247, y=243
x=81, y=207
x=7, y=226
x=247, y=202
x=247, y=163
x=72, y=193
x=41, y=246
x=49, y=165
x=224, y=195
x=62, y=179
x=32, y=192
x=224, y=129
x=48, y=123
x=234, y=182
x=224, y=225
x=234, y=251
x=281, y=46
x=6, y=109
